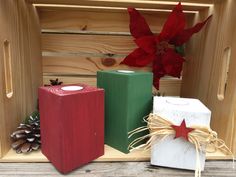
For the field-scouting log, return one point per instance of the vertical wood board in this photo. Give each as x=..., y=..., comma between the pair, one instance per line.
x=202, y=75
x=223, y=108
x=17, y=32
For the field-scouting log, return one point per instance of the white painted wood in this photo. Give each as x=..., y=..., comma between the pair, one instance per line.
x=179, y=153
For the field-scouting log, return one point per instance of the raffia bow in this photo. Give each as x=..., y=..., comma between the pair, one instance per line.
x=201, y=137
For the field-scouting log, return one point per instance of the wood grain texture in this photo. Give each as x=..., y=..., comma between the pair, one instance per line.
x=2, y=79
x=114, y=169
x=25, y=55
x=136, y=1
x=67, y=54
x=71, y=79
x=232, y=91
x=197, y=68
x=83, y=65
x=105, y=21
x=168, y=86
x=89, y=20
x=87, y=44
x=82, y=136
x=35, y=51
x=127, y=3
x=110, y=155
x=223, y=109
x=100, y=41
x=8, y=118
x=202, y=74
x=7, y=104
x=127, y=169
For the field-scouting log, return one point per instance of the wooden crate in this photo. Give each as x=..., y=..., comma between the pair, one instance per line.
x=72, y=39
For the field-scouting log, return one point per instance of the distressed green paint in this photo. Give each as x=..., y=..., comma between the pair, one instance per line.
x=128, y=98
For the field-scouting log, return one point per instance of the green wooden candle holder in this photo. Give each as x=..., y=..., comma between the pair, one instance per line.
x=128, y=98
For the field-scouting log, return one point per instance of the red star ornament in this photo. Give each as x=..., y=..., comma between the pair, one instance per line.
x=182, y=130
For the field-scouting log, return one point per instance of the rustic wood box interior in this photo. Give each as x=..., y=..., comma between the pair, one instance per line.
x=72, y=39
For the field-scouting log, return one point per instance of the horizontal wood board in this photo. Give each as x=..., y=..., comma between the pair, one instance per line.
x=54, y=23
x=103, y=20
x=111, y=154
x=115, y=169
x=169, y=86
x=82, y=42
x=187, y=4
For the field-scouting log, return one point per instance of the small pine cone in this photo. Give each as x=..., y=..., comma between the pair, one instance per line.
x=54, y=82
x=27, y=136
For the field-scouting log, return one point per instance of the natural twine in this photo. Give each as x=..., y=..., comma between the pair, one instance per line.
x=201, y=137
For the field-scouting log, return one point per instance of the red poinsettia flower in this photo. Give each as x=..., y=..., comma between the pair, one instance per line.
x=159, y=49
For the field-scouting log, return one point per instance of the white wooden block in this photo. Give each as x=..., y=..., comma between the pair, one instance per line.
x=179, y=153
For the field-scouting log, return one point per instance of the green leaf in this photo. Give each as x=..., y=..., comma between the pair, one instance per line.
x=35, y=116
x=180, y=50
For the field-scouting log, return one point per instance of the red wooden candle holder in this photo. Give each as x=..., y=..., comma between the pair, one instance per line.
x=72, y=125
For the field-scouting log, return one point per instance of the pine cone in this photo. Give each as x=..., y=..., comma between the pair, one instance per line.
x=27, y=136
x=54, y=82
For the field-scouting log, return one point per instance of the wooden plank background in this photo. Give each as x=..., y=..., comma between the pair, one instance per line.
x=103, y=20
x=115, y=169
x=19, y=26
x=191, y=5
x=111, y=155
x=76, y=43
x=203, y=73
x=224, y=107
x=80, y=41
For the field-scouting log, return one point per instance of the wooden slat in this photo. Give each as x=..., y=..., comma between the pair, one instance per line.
x=87, y=44
x=109, y=156
x=168, y=86
x=10, y=118
x=45, y=7
x=136, y=1
x=127, y=3
x=232, y=91
x=83, y=65
x=34, y=32
x=99, y=21
x=116, y=169
x=23, y=33
x=224, y=107
x=203, y=73
x=3, y=34
x=27, y=59
x=71, y=79
x=230, y=133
